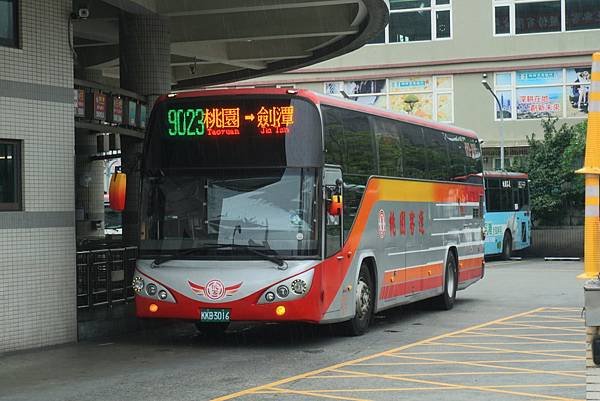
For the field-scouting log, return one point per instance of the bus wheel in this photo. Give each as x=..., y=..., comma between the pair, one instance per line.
x=365, y=299
x=507, y=246
x=445, y=301
x=212, y=329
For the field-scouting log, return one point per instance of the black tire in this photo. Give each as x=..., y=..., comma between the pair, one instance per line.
x=506, y=246
x=365, y=303
x=212, y=329
x=445, y=301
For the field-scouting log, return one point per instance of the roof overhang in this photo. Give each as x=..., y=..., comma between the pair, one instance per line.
x=232, y=40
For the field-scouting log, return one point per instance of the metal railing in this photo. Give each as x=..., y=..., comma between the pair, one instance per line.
x=104, y=276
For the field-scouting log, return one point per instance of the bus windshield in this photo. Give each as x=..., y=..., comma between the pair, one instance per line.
x=275, y=208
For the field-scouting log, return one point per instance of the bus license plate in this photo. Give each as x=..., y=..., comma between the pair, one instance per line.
x=214, y=315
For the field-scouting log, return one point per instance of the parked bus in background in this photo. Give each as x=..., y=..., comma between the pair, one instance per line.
x=507, y=214
x=285, y=205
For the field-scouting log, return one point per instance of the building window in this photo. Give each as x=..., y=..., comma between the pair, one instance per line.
x=536, y=94
x=8, y=23
x=10, y=175
x=429, y=97
x=540, y=16
x=417, y=21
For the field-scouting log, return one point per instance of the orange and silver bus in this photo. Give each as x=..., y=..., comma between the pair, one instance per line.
x=285, y=205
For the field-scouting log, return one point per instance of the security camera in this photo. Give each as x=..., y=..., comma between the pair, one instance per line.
x=83, y=13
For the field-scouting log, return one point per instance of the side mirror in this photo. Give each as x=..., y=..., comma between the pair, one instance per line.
x=335, y=205
x=116, y=191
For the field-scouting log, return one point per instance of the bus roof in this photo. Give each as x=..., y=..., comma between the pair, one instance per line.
x=505, y=174
x=319, y=99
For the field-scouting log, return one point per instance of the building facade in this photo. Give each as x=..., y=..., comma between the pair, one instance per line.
x=433, y=55
x=37, y=158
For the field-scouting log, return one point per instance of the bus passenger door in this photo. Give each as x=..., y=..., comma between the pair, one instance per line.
x=333, y=218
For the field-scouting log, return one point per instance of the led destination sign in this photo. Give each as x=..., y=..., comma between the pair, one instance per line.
x=228, y=121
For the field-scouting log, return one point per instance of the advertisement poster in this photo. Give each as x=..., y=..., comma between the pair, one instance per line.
x=417, y=104
x=364, y=87
x=443, y=82
x=539, y=102
x=79, y=102
x=99, y=106
x=413, y=84
x=541, y=77
x=505, y=98
x=578, y=89
x=117, y=111
x=333, y=88
x=444, y=107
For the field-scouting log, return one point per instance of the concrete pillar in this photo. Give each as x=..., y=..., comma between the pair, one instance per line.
x=145, y=68
x=89, y=187
x=89, y=175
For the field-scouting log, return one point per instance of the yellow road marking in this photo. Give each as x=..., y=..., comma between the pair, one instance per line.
x=564, y=318
x=466, y=387
x=556, y=314
x=509, y=343
x=454, y=362
x=488, y=365
x=514, y=351
x=317, y=395
x=400, y=389
x=532, y=326
x=490, y=352
x=531, y=337
x=475, y=373
x=579, y=321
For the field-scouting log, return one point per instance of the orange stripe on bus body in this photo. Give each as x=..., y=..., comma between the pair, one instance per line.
x=412, y=273
x=470, y=263
x=381, y=189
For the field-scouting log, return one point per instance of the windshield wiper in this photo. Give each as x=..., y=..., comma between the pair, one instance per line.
x=273, y=256
x=162, y=259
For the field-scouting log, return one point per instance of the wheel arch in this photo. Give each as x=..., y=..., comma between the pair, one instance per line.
x=369, y=259
x=372, y=265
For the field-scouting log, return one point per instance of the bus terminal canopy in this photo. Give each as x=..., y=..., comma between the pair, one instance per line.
x=222, y=41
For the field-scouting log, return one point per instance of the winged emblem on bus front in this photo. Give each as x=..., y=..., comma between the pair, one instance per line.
x=214, y=289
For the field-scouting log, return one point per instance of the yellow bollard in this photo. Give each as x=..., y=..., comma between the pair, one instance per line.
x=591, y=169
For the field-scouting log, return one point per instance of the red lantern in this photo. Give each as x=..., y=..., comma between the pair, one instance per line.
x=116, y=191
x=335, y=205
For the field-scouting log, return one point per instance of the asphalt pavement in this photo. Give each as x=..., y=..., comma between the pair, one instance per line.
x=517, y=334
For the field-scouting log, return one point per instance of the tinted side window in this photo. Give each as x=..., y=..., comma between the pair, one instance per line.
x=414, y=151
x=389, y=147
x=492, y=194
x=457, y=156
x=349, y=142
x=474, y=164
x=437, y=155
x=359, y=146
x=334, y=136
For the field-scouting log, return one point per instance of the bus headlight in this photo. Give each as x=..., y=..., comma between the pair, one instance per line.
x=299, y=286
x=151, y=289
x=288, y=290
x=148, y=288
x=138, y=284
x=283, y=291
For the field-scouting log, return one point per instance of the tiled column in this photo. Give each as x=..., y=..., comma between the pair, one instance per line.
x=37, y=243
x=145, y=69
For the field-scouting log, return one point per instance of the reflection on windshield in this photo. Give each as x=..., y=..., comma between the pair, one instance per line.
x=275, y=208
